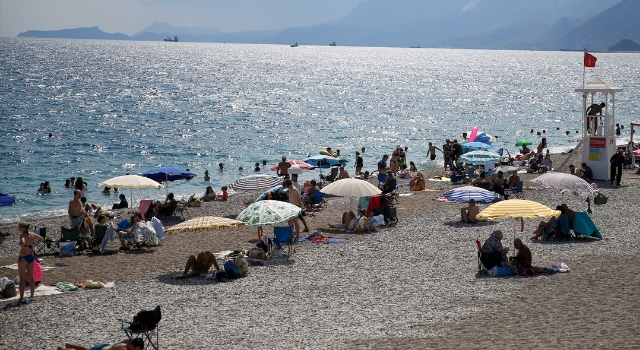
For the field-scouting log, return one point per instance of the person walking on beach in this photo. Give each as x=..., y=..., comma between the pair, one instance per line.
x=359, y=163
x=617, y=162
x=283, y=168
x=294, y=198
x=431, y=153
x=26, y=258
x=382, y=169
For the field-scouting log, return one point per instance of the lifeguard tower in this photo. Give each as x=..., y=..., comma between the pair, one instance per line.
x=598, y=131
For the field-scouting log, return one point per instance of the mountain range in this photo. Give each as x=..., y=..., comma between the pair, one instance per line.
x=482, y=24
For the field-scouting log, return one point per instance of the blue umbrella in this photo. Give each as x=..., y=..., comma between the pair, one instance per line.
x=168, y=173
x=476, y=146
x=467, y=193
x=322, y=161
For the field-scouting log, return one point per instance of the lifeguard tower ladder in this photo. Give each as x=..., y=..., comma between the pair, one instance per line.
x=598, y=131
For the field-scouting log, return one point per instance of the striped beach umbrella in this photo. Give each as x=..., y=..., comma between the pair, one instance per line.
x=467, y=193
x=479, y=157
x=567, y=183
x=517, y=208
x=255, y=183
x=268, y=212
x=205, y=223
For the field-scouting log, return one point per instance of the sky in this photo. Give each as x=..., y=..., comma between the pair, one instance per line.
x=130, y=16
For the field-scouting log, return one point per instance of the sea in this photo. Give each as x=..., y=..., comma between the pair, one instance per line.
x=124, y=107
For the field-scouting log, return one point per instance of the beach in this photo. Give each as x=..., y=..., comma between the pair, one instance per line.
x=413, y=285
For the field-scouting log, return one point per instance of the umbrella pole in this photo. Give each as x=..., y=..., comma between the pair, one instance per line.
x=166, y=186
x=131, y=197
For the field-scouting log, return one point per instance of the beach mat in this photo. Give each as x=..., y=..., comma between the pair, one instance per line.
x=41, y=290
x=15, y=267
x=328, y=241
x=443, y=179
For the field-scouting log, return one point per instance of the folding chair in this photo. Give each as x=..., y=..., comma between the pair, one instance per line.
x=182, y=207
x=479, y=249
x=48, y=246
x=71, y=235
x=145, y=204
x=269, y=245
x=318, y=200
x=144, y=322
x=283, y=238
x=98, y=235
x=518, y=191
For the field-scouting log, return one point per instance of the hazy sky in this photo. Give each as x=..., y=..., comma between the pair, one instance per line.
x=130, y=16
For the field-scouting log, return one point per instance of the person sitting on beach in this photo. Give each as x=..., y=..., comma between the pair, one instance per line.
x=127, y=344
x=547, y=162
x=545, y=228
x=525, y=150
x=139, y=229
x=283, y=168
x=209, y=195
x=342, y=173
x=206, y=176
x=412, y=167
x=573, y=170
x=382, y=169
x=468, y=214
x=26, y=258
x=390, y=184
x=166, y=207
x=199, y=265
x=493, y=253
x=482, y=182
x=523, y=256
x=418, y=183
x=255, y=253
x=570, y=213
x=76, y=213
x=349, y=222
x=499, y=185
x=513, y=181
x=586, y=173
x=224, y=195
x=404, y=172
x=308, y=193
x=123, y=204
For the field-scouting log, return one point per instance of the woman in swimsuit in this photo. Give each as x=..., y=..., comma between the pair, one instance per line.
x=26, y=259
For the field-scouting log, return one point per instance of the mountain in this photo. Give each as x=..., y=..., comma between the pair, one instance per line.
x=625, y=45
x=77, y=33
x=166, y=28
x=604, y=30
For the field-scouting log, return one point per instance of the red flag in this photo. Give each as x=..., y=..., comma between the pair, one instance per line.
x=589, y=60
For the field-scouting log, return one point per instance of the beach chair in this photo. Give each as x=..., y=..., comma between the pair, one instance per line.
x=98, y=236
x=284, y=237
x=518, y=191
x=48, y=246
x=72, y=235
x=269, y=247
x=145, y=204
x=318, y=200
x=144, y=324
x=182, y=207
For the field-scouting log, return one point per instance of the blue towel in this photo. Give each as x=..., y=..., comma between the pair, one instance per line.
x=582, y=225
x=562, y=223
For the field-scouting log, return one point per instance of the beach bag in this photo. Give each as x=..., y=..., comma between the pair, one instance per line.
x=195, y=203
x=241, y=263
x=123, y=225
x=600, y=199
x=9, y=291
x=37, y=272
x=221, y=275
x=112, y=245
x=232, y=271
x=66, y=248
x=498, y=271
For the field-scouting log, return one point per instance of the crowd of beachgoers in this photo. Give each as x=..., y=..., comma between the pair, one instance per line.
x=312, y=287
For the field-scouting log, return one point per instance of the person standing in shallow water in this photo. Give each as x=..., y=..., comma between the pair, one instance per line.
x=359, y=163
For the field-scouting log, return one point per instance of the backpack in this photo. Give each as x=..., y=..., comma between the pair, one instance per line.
x=232, y=271
x=241, y=263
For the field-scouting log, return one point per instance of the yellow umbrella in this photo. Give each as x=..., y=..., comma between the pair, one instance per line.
x=205, y=223
x=517, y=208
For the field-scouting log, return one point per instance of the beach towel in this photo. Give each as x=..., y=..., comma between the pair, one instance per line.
x=15, y=267
x=108, y=235
x=582, y=225
x=363, y=203
x=562, y=224
x=374, y=202
x=157, y=225
x=41, y=290
x=442, y=179
x=325, y=240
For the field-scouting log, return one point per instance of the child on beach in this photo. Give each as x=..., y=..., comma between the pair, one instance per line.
x=224, y=196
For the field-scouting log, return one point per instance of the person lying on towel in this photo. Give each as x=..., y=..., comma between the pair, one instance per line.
x=199, y=265
x=128, y=344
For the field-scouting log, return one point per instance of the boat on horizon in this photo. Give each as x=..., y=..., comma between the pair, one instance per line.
x=415, y=47
x=332, y=44
x=175, y=39
x=294, y=45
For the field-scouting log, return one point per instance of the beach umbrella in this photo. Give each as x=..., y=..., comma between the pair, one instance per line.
x=7, y=199
x=296, y=163
x=322, y=161
x=476, y=146
x=268, y=212
x=479, y=157
x=351, y=188
x=567, y=183
x=205, y=223
x=265, y=194
x=519, y=209
x=255, y=182
x=504, y=168
x=523, y=142
x=168, y=173
x=467, y=193
x=131, y=182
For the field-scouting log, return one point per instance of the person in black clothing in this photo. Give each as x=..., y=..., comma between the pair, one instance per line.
x=456, y=150
x=390, y=184
x=122, y=204
x=617, y=161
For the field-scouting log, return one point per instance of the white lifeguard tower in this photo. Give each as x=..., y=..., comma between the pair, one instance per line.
x=598, y=131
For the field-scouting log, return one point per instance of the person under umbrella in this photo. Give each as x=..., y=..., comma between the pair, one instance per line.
x=493, y=253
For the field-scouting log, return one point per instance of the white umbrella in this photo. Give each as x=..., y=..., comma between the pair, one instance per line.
x=351, y=188
x=130, y=182
x=567, y=183
x=255, y=183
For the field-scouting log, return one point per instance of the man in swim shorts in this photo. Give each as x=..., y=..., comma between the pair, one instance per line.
x=135, y=344
x=283, y=168
x=199, y=265
x=76, y=212
x=382, y=169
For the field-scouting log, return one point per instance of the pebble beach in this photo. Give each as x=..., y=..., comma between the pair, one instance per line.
x=414, y=285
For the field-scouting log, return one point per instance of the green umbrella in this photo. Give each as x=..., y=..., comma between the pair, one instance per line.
x=268, y=212
x=523, y=143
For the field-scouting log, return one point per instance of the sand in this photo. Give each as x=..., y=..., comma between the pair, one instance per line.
x=414, y=285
